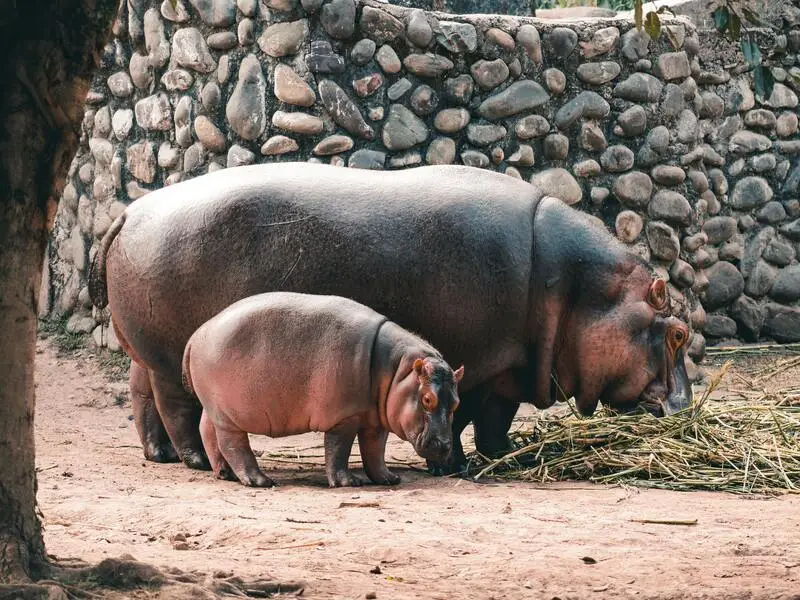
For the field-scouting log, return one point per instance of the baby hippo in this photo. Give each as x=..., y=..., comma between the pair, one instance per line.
x=282, y=363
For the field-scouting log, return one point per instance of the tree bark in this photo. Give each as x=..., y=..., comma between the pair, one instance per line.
x=48, y=52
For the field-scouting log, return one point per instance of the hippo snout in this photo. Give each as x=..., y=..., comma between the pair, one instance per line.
x=436, y=448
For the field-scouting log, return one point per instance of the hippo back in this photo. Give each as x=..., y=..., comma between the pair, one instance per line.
x=442, y=251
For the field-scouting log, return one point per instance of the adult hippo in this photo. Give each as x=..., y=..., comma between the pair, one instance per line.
x=535, y=300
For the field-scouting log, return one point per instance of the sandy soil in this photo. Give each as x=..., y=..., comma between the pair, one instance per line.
x=428, y=538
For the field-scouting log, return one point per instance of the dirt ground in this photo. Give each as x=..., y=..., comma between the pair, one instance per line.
x=428, y=538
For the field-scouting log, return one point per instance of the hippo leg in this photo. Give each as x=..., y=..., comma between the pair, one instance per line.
x=181, y=416
x=491, y=423
x=234, y=446
x=372, y=444
x=338, y=445
x=457, y=462
x=219, y=465
x=154, y=438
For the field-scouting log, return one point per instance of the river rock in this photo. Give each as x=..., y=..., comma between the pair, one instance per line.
x=246, y=108
x=367, y=159
x=561, y=42
x=587, y=104
x=141, y=160
x=725, y=284
x=603, y=41
x=424, y=100
x=598, y=73
x=297, y=122
x=628, y=226
x=747, y=142
x=363, y=51
x=668, y=175
x=672, y=207
x=519, y=96
x=528, y=37
x=279, y=144
x=592, y=137
x=663, y=241
x=121, y=123
x=283, y=39
x=489, y=73
x=189, y=50
x=719, y=229
x=556, y=146
x=633, y=122
x=761, y=280
x=418, y=30
x=403, y=129
x=633, y=189
x=750, y=192
x=442, y=151
x=322, y=59
x=458, y=38
x=380, y=25
x=343, y=110
x=217, y=13
x=154, y=113
x=558, y=183
x=239, y=156
x=531, y=126
x=451, y=120
x=427, y=65
x=120, y=84
x=555, y=80
x=289, y=87
x=523, y=157
x=333, y=144
x=639, y=87
x=209, y=134
x=483, y=135
x=388, y=60
x=617, y=159
x=338, y=18
x=787, y=285
x=672, y=65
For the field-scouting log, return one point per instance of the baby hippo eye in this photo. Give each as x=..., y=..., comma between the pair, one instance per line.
x=429, y=402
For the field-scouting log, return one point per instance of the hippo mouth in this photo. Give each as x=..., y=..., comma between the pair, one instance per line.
x=662, y=399
x=432, y=448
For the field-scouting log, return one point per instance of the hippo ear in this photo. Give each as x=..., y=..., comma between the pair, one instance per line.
x=419, y=368
x=458, y=374
x=657, y=296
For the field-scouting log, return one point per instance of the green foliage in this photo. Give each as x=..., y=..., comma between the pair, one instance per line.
x=56, y=329
x=729, y=23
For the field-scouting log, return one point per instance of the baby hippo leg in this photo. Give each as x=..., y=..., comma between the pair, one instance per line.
x=372, y=443
x=219, y=465
x=235, y=449
x=338, y=445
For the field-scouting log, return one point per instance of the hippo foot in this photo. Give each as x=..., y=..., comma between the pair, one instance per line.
x=257, y=479
x=344, y=479
x=196, y=460
x=385, y=478
x=161, y=453
x=226, y=474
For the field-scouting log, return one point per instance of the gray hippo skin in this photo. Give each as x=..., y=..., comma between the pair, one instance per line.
x=280, y=364
x=527, y=293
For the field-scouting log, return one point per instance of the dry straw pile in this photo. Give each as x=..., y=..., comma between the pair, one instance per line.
x=735, y=446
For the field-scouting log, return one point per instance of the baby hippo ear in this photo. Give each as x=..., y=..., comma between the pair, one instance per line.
x=458, y=374
x=419, y=368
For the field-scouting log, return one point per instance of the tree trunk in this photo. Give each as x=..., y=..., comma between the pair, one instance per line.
x=48, y=52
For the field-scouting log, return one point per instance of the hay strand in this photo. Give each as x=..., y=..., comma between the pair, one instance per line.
x=737, y=446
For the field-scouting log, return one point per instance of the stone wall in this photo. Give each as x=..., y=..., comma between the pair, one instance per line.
x=663, y=141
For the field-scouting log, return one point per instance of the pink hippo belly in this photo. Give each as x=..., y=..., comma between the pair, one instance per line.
x=274, y=366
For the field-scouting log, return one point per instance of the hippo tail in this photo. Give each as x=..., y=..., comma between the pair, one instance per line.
x=98, y=287
x=186, y=374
